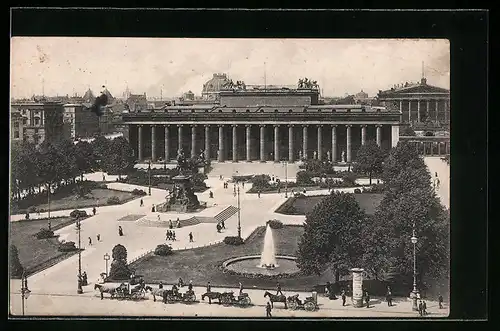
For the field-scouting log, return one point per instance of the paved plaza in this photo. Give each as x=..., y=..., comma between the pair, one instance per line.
x=54, y=289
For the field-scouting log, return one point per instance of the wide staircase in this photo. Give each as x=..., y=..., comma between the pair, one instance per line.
x=229, y=169
x=225, y=214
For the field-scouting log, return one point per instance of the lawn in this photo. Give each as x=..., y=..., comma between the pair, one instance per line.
x=201, y=264
x=302, y=205
x=66, y=200
x=38, y=254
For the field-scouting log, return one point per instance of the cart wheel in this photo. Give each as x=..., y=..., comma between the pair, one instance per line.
x=191, y=298
x=245, y=301
x=293, y=305
x=309, y=306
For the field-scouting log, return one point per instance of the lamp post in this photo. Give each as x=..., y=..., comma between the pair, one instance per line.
x=25, y=292
x=239, y=219
x=106, y=258
x=48, y=200
x=285, y=163
x=149, y=174
x=414, y=293
x=78, y=230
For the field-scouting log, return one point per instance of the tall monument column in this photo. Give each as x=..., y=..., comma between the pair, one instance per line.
x=304, y=142
x=349, y=143
x=193, y=140
x=207, y=142
x=290, y=143
x=276, y=143
x=363, y=134
x=379, y=135
x=153, y=143
x=139, y=138
x=167, y=143
x=248, y=142
x=179, y=133
x=334, y=143
x=221, y=143
x=320, y=142
x=262, y=143
x=235, y=143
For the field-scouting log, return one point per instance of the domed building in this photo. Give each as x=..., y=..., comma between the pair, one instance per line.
x=212, y=88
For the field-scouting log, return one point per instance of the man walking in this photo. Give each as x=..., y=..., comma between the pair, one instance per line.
x=440, y=301
x=93, y=211
x=278, y=289
x=343, y=298
x=424, y=308
x=90, y=241
x=388, y=296
x=209, y=287
x=241, y=289
x=142, y=203
x=190, y=237
x=98, y=237
x=421, y=308
x=268, y=310
x=367, y=299
x=222, y=224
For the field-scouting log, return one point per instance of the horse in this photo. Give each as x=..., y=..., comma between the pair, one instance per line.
x=155, y=291
x=211, y=296
x=106, y=289
x=276, y=298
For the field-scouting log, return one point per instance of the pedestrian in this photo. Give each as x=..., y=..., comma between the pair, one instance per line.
x=178, y=223
x=98, y=237
x=388, y=296
x=440, y=301
x=211, y=195
x=173, y=235
x=424, y=308
x=120, y=231
x=90, y=241
x=209, y=287
x=343, y=297
x=268, y=310
x=160, y=286
x=222, y=224
x=103, y=178
x=243, y=184
x=142, y=203
x=153, y=208
x=159, y=219
x=190, y=237
x=170, y=225
x=367, y=299
x=181, y=282
x=278, y=289
x=241, y=289
x=258, y=193
x=220, y=177
x=272, y=178
x=50, y=225
x=93, y=211
x=421, y=308
x=190, y=286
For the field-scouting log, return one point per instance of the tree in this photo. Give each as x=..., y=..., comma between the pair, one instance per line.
x=332, y=236
x=369, y=159
x=119, y=268
x=101, y=147
x=49, y=164
x=67, y=157
x=84, y=158
x=407, y=131
x=119, y=252
x=120, y=158
x=16, y=269
x=403, y=156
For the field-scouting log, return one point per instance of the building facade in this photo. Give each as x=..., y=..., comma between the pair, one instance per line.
x=16, y=126
x=421, y=105
x=80, y=121
x=41, y=120
x=255, y=124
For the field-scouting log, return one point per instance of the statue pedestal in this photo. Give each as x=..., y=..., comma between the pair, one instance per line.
x=357, y=287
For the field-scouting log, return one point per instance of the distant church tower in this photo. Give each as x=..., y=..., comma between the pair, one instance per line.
x=126, y=94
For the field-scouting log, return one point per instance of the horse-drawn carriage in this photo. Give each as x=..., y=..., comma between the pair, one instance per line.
x=228, y=298
x=123, y=291
x=170, y=296
x=309, y=304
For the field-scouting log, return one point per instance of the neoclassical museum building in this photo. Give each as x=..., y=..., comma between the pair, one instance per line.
x=260, y=123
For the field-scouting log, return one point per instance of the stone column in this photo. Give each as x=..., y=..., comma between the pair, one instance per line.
x=423, y=143
x=357, y=287
x=409, y=111
x=139, y=138
x=235, y=143
x=437, y=109
x=248, y=142
x=153, y=143
x=394, y=135
x=221, y=143
x=179, y=133
x=290, y=143
x=167, y=143
x=320, y=142
x=363, y=134
x=276, y=143
x=193, y=140
x=427, y=109
x=418, y=111
x=207, y=142
x=334, y=143
x=379, y=135
x=446, y=111
x=262, y=143
x=401, y=106
x=349, y=156
x=304, y=142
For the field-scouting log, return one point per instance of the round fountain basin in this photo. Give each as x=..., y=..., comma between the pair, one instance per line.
x=250, y=265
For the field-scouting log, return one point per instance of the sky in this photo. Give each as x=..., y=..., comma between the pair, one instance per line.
x=169, y=67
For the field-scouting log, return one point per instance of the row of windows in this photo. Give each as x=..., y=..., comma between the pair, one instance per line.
x=347, y=110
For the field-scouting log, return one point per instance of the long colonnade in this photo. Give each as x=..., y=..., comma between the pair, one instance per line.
x=259, y=142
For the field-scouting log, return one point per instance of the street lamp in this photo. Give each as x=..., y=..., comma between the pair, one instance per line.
x=149, y=173
x=78, y=230
x=48, y=201
x=414, y=293
x=25, y=292
x=106, y=258
x=285, y=163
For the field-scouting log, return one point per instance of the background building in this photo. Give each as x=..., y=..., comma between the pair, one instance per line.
x=212, y=88
x=80, y=121
x=16, y=126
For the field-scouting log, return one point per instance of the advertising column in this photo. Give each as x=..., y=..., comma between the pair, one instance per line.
x=357, y=287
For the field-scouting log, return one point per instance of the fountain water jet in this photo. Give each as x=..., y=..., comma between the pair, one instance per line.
x=268, y=255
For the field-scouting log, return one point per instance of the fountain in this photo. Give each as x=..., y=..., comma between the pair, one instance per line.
x=267, y=264
x=268, y=256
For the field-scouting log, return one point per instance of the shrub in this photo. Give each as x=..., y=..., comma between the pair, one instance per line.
x=44, y=234
x=67, y=246
x=138, y=192
x=304, y=177
x=78, y=213
x=16, y=269
x=163, y=250
x=233, y=240
x=357, y=191
x=261, y=181
x=119, y=270
x=349, y=179
x=275, y=224
x=114, y=200
x=242, y=178
x=119, y=252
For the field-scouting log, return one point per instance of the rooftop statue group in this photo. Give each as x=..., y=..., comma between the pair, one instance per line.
x=307, y=83
x=240, y=85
